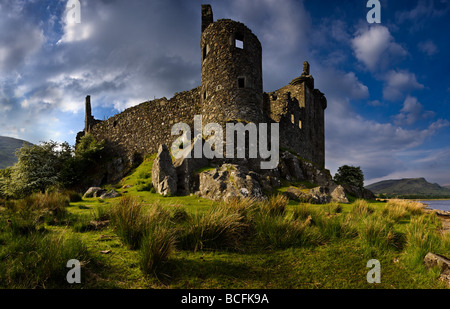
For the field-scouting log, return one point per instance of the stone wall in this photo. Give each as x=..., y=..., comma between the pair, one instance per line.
x=231, y=91
x=140, y=130
x=231, y=73
x=299, y=108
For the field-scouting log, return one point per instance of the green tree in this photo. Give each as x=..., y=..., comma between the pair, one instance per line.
x=38, y=168
x=350, y=175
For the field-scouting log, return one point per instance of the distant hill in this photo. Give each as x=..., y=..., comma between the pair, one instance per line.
x=408, y=186
x=8, y=147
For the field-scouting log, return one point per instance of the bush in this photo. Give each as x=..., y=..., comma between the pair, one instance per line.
x=350, y=175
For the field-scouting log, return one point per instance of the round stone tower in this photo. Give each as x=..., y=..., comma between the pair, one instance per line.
x=231, y=71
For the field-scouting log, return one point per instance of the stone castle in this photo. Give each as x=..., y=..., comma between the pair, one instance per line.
x=231, y=91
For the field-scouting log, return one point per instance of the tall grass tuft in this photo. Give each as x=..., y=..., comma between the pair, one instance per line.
x=329, y=221
x=281, y=232
x=217, y=229
x=421, y=238
x=157, y=245
x=361, y=208
x=376, y=234
x=128, y=219
x=412, y=207
x=275, y=205
x=39, y=260
x=394, y=211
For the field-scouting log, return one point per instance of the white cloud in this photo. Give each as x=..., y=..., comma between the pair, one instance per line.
x=399, y=82
x=428, y=47
x=411, y=112
x=376, y=48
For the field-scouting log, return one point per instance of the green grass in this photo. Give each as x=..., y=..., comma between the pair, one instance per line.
x=143, y=240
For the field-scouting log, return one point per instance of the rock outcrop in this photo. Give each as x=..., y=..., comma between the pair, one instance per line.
x=164, y=175
x=94, y=192
x=224, y=180
x=229, y=181
x=434, y=260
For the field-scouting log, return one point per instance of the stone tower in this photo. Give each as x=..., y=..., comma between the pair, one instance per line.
x=231, y=71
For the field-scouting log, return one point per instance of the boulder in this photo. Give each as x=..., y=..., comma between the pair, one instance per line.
x=185, y=167
x=362, y=193
x=434, y=260
x=111, y=194
x=164, y=175
x=229, y=181
x=93, y=192
x=338, y=194
x=317, y=195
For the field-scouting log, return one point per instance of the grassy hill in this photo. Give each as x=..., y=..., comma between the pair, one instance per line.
x=408, y=186
x=202, y=244
x=8, y=147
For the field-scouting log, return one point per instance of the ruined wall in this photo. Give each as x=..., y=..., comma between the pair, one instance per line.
x=299, y=108
x=140, y=130
x=231, y=73
x=231, y=90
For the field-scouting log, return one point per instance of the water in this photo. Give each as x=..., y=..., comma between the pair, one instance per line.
x=438, y=204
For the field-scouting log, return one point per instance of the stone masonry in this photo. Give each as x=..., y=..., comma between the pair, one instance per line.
x=231, y=90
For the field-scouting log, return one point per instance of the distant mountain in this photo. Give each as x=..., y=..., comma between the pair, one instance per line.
x=408, y=186
x=8, y=147
x=446, y=186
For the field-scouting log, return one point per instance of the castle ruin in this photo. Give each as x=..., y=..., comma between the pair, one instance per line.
x=231, y=90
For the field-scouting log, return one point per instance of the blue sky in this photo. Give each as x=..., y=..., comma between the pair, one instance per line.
x=387, y=84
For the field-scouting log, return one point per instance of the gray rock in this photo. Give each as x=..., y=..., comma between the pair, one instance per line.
x=291, y=166
x=317, y=195
x=434, y=260
x=110, y=194
x=362, y=193
x=229, y=181
x=338, y=194
x=185, y=168
x=164, y=175
x=93, y=192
